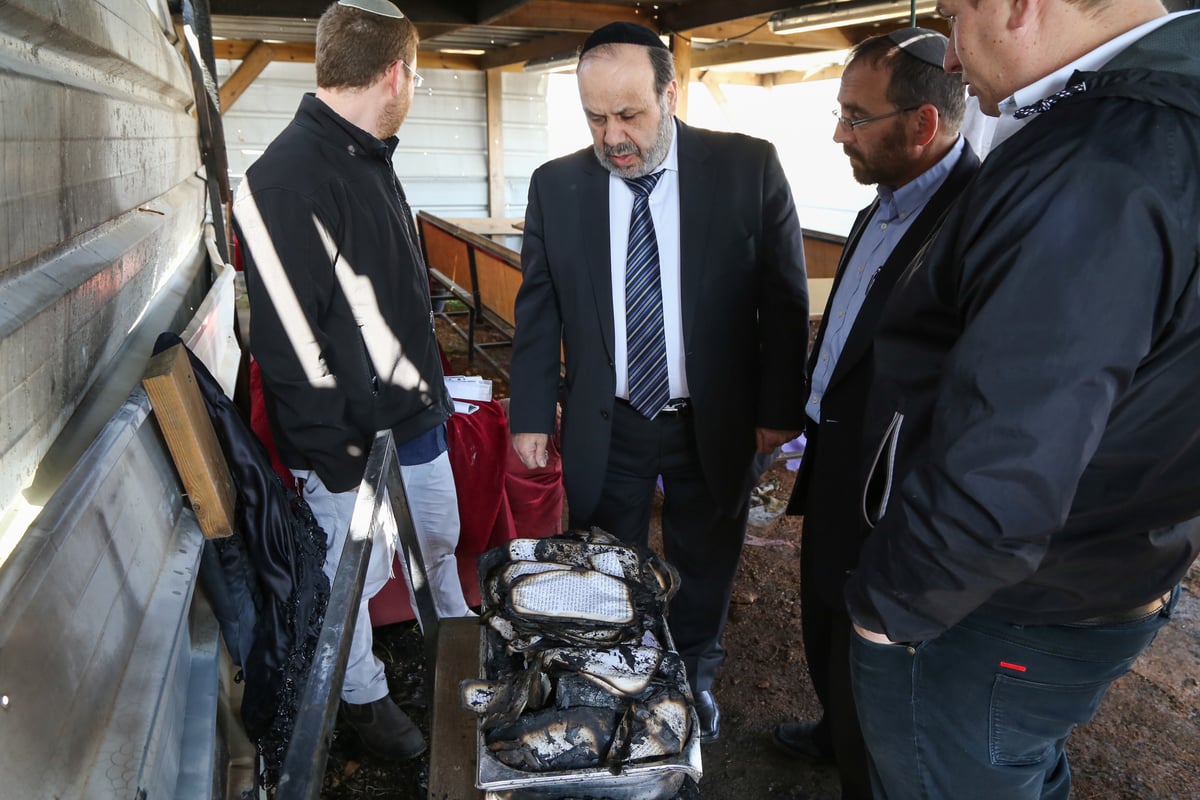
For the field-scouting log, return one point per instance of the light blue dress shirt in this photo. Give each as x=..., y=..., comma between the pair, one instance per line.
x=894, y=214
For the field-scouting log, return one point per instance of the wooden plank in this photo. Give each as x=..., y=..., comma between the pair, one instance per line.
x=545, y=47
x=562, y=15
x=819, y=290
x=185, y=424
x=681, y=48
x=238, y=49
x=448, y=255
x=499, y=282
x=701, y=13
x=453, y=753
x=495, y=136
x=735, y=53
x=821, y=257
x=251, y=67
x=489, y=226
x=306, y=53
x=714, y=88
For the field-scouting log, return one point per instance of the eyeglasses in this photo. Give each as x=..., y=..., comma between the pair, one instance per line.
x=853, y=124
x=417, y=78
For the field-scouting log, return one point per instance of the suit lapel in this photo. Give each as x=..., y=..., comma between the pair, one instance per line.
x=696, y=196
x=925, y=225
x=594, y=223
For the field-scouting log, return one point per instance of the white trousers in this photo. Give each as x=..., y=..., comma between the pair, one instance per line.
x=433, y=503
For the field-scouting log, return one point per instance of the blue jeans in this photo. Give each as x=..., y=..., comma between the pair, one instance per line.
x=984, y=710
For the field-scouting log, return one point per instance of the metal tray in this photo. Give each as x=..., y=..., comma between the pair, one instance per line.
x=657, y=780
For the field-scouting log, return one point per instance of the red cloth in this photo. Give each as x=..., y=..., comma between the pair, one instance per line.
x=498, y=500
x=262, y=428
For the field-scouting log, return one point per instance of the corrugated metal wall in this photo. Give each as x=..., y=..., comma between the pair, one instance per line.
x=442, y=157
x=100, y=206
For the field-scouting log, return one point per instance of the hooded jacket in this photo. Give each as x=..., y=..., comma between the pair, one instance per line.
x=1040, y=367
x=342, y=325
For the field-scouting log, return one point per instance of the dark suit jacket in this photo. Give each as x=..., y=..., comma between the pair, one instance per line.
x=829, y=486
x=744, y=297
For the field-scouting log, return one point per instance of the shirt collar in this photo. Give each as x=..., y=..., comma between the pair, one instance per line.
x=1007, y=125
x=911, y=197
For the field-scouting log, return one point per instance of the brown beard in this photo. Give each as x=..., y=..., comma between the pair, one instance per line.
x=886, y=165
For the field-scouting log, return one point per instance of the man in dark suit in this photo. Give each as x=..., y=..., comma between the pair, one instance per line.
x=680, y=302
x=898, y=123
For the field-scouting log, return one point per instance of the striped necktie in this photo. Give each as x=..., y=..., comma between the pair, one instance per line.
x=649, y=389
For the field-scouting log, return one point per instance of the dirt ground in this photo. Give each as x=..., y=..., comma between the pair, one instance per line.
x=1143, y=745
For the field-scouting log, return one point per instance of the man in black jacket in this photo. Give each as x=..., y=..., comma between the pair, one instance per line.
x=1039, y=484
x=342, y=325
x=898, y=123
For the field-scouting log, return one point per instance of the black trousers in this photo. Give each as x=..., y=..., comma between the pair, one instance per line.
x=827, y=631
x=698, y=539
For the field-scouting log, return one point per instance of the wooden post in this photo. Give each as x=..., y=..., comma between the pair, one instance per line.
x=682, y=49
x=186, y=426
x=497, y=204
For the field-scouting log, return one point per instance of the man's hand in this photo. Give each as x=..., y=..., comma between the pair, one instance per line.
x=872, y=636
x=531, y=447
x=770, y=438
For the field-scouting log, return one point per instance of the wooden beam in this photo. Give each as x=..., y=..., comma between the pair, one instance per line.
x=539, y=48
x=682, y=48
x=419, y=11
x=254, y=62
x=822, y=74
x=495, y=133
x=727, y=78
x=714, y=88
x=736, y=54
x=239, y=49
x=560, y=15
x=300, y=53
x=432, y=59
x=488, y=11
x=179, y=409
x=687, y=17
x=829, y=39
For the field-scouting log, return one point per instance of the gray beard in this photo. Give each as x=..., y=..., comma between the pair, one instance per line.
x=654, y=156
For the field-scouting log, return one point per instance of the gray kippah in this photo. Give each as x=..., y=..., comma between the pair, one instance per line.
x=381, y=7
x=622, y=33
x=922, y=44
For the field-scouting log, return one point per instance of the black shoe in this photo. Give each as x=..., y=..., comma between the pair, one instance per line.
x=385, y=730
x=804, y=739
x=710, y=717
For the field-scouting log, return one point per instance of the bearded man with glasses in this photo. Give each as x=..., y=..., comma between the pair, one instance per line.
x=920, y=163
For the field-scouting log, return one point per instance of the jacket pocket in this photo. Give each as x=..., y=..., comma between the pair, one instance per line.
x=878, y=488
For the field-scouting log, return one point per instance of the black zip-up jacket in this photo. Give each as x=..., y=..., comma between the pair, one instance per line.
x=341, y=322
x=1041, y=365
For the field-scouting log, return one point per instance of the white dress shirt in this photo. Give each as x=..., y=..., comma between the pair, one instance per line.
x=664, y=210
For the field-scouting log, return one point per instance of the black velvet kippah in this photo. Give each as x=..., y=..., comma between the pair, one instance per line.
x=622, y=33
x=922, y=44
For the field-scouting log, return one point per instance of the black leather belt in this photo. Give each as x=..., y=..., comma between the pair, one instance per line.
x=675, y=407
x=1131, y=615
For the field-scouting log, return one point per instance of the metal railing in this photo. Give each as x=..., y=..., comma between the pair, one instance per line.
x=381, y=502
